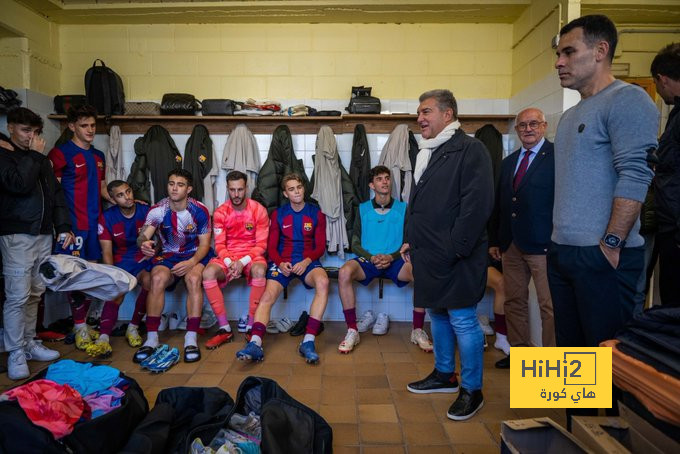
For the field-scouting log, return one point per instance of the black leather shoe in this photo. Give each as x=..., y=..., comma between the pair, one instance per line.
x=467, y=404
x=299, y=328
x=434, y=384
x=503, y=363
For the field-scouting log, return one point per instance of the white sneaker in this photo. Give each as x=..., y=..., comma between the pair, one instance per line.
x=502, y=343
x=173, y=321
x=38, y=352
x=17, y=369
x=242, y=323
x=351, y=341
x=382, y=324
x=163, y=325
x=366, y=321
x=208, y=318
x=486, y=327
x=421, y=339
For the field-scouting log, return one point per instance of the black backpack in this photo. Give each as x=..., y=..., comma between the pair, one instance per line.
x=104, y=89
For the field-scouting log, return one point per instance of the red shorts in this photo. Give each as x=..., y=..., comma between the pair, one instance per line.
x=246, y=269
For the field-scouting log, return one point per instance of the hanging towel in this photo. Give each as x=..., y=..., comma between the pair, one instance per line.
x=241, y=153
x=115, y=169
x=395, y=157
x=328, y=190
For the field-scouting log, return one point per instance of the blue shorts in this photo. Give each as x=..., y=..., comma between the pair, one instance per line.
x=391, y=272
x=134, y=267
x=170, y=260
x=275, y=274
x=86, y=245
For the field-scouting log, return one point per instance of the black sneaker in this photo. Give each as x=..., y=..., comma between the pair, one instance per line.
x=503, y=363
x=467, y=404
x=299, y=328
x=433, y=383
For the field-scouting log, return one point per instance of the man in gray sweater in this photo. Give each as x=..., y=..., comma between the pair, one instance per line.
x=601, y=179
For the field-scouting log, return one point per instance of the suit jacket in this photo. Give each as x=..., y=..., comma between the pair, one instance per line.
x=448, y=213
x=525, y=216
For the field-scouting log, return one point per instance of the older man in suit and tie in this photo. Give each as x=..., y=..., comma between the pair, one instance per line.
x=521, y=226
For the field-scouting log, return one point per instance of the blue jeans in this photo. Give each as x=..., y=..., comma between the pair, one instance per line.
x=458, y=326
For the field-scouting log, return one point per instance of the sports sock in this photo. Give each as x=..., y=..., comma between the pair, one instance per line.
x=216, y=300
x=256, y=339
x=313, y=326
x=79, y=307
x=308, y=337
x=152, y=322
x=103, y=338
x=499, y=323
x=351, y=318
x=140, y=308
x=78, y=326
x=256, y=290
x=193, y=323
x=151, y=339
x=190, y=339
x=109, y=318
x=259, y=329
x=418, y=319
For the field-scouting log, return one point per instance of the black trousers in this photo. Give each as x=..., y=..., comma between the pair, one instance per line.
x=591, y=299
x=669, y=269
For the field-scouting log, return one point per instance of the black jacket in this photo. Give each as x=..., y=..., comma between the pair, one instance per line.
x=447, y=216
x=360, y=164
x=667, y=178
x=198, y=155
x=525, y=216
x=31, y=198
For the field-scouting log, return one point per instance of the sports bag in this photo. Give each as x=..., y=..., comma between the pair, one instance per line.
x=142, y=108
x=62, y=103
x=104, y=89
x=9, y=99
x=217, y=107
x=179, y=104
x=364, y=105
x=106, y=434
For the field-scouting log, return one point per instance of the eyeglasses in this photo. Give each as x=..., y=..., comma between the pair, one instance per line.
x=531, y=125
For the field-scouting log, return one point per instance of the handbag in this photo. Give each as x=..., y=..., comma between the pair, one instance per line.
x=179, y=104
x=62, y=103
x=217, y=107
x=142, y=108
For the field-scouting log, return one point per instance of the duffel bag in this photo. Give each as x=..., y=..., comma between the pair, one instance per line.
x=217, y=107
x=142, y=108
x=179, y=104
x=62, y=103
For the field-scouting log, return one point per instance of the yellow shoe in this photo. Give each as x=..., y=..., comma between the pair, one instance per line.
x=82, y=338
x=133, y=337
x=100, y=349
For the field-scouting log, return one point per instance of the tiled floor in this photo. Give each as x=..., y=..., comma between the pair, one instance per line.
x=362, y=395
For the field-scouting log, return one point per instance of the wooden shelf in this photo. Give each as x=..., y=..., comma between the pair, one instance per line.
x=375, y=124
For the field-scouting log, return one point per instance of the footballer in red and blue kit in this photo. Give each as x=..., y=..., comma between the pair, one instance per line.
x=294, y=236
x=81, y=172
x=123, y=232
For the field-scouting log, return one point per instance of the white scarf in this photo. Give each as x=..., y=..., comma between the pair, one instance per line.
x=427, y=145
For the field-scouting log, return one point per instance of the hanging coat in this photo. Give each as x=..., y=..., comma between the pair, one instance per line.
x=241, y=153
x=360, y=165
x=280, y=161
x=395, y=156
x=156, y=155
x=493, y=141
x=198, y=154
x=115, y=169
x=62, y=273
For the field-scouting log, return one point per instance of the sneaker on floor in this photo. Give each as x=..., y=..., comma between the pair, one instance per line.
x=382, y=324
x=208, y=318
x=99, y=349
x=242, y=323
x=308, y=351
x=83, y=338
x=351, y=340
x=467, y=404
x=132, y=335
x=486, y=327
x=222, y=337
x=163, y=325
x=17, y=369
x=284, y=325
x=51, y=336
x=174, y=321
x=36, y=351
x=366, y=321
x=434, y=384
x=164, y=362
x=251, y=352
x=502, y=343
x=299, y=328
x=421, y=339
x=272, y=328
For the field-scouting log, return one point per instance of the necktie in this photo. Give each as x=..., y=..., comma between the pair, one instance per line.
x=522, y=170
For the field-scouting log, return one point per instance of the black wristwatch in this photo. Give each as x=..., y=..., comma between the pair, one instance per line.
x=613, y=241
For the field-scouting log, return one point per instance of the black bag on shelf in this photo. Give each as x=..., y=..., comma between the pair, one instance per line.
x=9, y=99
x=364, y=105
x=179, y=104
x=217, y=107
x=63, y=102
x=104, y=89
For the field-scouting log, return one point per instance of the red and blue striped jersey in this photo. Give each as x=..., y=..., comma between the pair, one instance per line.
x=296, y=235
x=179, y=231
x=123, y=232
x=81, y=172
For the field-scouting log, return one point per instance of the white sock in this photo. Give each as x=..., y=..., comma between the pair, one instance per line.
x=257, y=339
x=103, y=338
x=131, y=326
x=308, y=337
x=151, y=339
x=79, y=326
x=226, y=327
x=190, y=339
